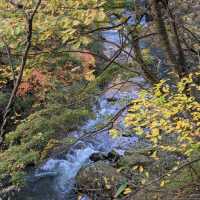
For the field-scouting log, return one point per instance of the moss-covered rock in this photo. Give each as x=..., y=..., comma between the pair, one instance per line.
x=139, y=154
x=99, y=180
x=37, y=136
x=134, y=159
x=143, y=163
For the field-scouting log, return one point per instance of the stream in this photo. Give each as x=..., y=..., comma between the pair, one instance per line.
x=55, y=179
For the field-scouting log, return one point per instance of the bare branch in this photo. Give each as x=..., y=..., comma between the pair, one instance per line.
x=107, y=28
x=9, y=58
x=29, y=19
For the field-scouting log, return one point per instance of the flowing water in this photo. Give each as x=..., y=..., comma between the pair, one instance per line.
x=55, y=179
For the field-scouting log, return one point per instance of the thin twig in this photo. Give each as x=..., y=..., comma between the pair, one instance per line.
x=29, y=20
x=9, y=59
x=107, y=28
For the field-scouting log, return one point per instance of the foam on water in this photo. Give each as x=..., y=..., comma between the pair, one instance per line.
x=56, y=177
x=66, y=169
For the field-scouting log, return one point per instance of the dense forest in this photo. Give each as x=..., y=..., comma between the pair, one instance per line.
x=99, y=99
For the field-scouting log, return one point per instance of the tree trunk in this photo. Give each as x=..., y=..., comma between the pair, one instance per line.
x=145, y=68
x=181, y=56
x=164, y=37
x=149, y=74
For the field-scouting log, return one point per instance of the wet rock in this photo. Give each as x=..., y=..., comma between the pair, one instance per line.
x=147, y=151
x=139, y=154
x=84, y=197
x=135, y=159
x=97, y=157
x=99, y=181
x=112, y=99
x=112, y=156
x=110, y=95
x=139, y=159
x=45, y=174
x=166, y=162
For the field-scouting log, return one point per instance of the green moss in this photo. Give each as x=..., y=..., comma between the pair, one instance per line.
x=31, y=137
x=103, y=79
x=184, y=177
x=37, y=135
x=3, y=99
x=15, y=159
x=24, y=104
x=18, y=178
x=47, y=123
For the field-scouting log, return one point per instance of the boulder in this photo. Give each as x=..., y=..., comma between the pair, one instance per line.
x=112, y=156
x=97, y=157
x=134, y=159
x=99, y=181
x=137, y=155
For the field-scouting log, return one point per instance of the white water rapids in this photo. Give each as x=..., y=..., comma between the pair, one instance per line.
x=55, y=179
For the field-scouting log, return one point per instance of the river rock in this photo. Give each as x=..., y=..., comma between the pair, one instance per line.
x=111, y=99
x=97, y=157
x=112, y=156
x=137, y=155
x=99, y=181
x=134, y=159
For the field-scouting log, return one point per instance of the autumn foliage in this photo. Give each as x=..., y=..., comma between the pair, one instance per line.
x=164, y=113
x=88, y=62
x=36, y=80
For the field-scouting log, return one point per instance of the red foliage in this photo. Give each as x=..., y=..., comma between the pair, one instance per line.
x=87, y=59
x=24, y=88
x=37, y=78
x=35, y=81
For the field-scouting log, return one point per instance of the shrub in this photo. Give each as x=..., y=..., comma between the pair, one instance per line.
x=168, y=117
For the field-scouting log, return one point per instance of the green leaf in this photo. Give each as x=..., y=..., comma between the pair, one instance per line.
x=121, y=189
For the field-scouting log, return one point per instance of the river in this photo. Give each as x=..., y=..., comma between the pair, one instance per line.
x=55, y=179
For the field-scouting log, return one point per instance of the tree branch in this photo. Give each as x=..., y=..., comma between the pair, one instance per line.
x=107, y=28
x=9, y=58
x=29, y=20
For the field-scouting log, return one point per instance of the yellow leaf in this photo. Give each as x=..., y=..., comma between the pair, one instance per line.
x=101, y=15
x=141, y=169
x=162, y=183
x=143, y=181
x=139, y=131
x=135, y=167
x=166, y=88
x=147, y=174
x=155, y=132
x=154, y=155
x=89, y=76
x=127, y=191
x=114, y=133
x=108, y=186
x=120, y=169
